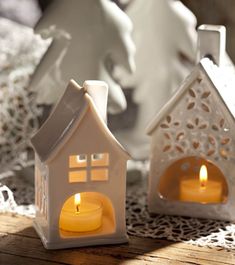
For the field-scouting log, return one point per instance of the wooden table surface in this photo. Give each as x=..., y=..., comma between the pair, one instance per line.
x=20, y=245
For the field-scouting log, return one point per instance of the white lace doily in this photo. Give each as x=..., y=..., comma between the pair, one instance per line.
x=200, y=232
x=8, y=204
x=20, y=52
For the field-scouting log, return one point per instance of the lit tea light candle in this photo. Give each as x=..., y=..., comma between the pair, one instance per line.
x=81, y=216
x=201, y=189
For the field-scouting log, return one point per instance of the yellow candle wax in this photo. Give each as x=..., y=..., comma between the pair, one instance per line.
x=87, y=216
x=192, y=191
x=201, y=189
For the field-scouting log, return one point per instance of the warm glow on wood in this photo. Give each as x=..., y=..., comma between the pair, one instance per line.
x=203, y=176
x=77, y=201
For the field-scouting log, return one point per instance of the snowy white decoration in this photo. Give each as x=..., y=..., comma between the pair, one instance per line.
x=95, y=36
x=163, y=31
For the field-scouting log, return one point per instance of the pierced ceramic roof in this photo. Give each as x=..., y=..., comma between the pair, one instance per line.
x=68, y=113
x=222, y=79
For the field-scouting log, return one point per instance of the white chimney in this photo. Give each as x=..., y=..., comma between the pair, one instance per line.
x=212, y=43
x=98, y=90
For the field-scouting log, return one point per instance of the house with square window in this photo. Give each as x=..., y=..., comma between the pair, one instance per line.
x=76, y=156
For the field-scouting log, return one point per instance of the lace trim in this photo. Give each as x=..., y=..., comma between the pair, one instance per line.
x=201, y=232
x=20, y=52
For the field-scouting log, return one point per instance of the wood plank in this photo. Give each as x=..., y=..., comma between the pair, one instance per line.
x=17, y=245
x=32, y=248
x=164, y=247
x=11, y=223
x=6, y=259
x=17, y=234
x=20, y=225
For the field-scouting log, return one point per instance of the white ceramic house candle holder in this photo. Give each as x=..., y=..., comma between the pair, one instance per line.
x=80, y=172
x=192, y=139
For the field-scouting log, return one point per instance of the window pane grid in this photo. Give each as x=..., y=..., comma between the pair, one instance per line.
x=77, y=161
x=100, y=159
x=77, y=176
x=99, y=174
x=83, y=167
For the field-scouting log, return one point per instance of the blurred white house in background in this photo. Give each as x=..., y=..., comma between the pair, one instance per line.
x=95, y=36
x=165, y=39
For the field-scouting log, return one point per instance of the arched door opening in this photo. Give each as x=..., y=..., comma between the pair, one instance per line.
x=193, y=179
x=87, y=213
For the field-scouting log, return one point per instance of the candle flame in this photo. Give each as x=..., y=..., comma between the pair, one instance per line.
x=203, y=176
x=77, y=201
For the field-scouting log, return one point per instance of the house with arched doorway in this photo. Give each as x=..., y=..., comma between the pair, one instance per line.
x=192, y=139
x=80, y=172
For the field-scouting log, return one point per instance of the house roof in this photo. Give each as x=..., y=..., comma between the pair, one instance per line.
x=67, y=115
x=222, y=79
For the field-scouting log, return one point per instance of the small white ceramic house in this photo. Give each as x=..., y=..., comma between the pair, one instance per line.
x=80, y=172
x=192, y=170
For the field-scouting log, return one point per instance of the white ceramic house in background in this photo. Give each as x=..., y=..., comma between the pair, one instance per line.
x=94, y=37
x=164, y=33
x=195, y=128
x=80, y=172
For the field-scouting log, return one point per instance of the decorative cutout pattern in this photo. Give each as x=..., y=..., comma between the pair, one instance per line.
x=201, y=96
x=196, y=126
x=174, y=142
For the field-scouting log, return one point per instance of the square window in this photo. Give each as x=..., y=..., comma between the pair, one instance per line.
x=76, y=161
x=77, y=176
x=100, y=159
x=81, y=157
x=99, y=174
x=97, y=156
